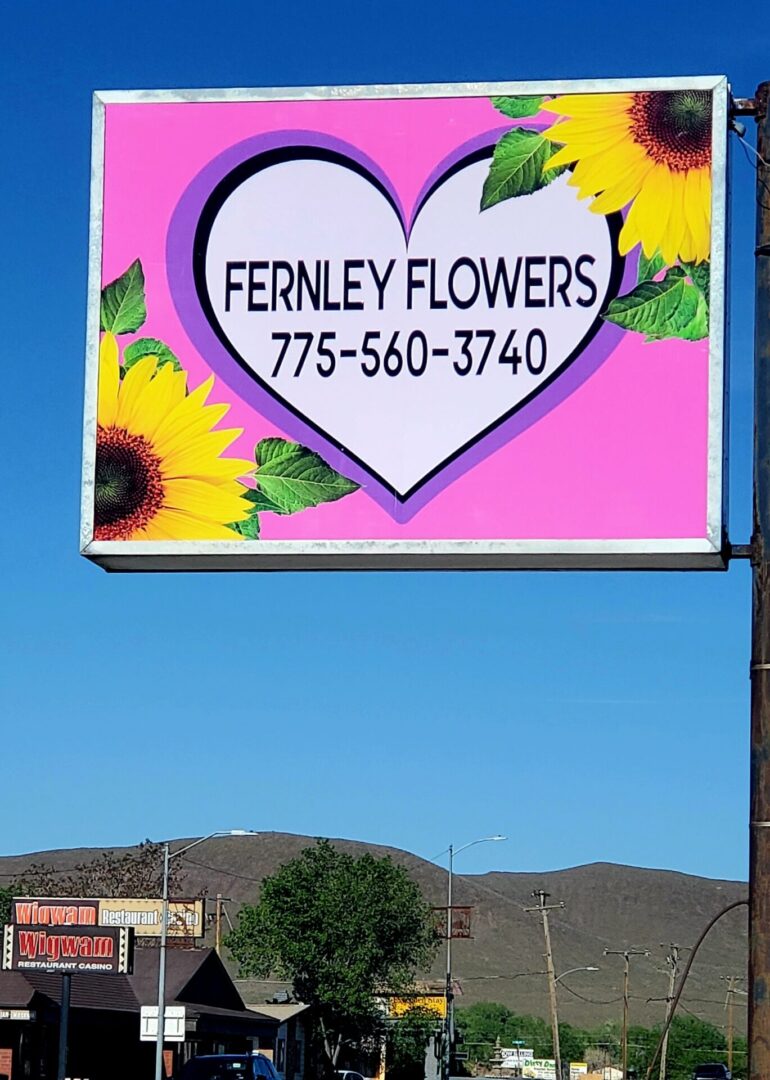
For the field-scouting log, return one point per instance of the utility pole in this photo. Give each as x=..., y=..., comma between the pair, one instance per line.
x=626, y=954
x=543, y=908
x=732, y=988
x=446, y=1058
x=759, y=844
x=218, y=925
x=673, y=970
x=449, y=1022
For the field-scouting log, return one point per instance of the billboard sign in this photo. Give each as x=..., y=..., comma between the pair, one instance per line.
x=143, y=916
x=185, y=917
x=435, y=1003
x=473, y=325
x=68, y=949
x=513, y=1057
x=540, y=1069
x=545, y=1069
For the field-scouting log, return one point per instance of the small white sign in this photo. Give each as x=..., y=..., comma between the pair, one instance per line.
x=515, y=1056
x=173, y=1023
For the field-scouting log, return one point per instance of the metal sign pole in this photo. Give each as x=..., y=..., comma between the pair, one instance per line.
x=449, y=992
x=64, y=1020
x=759, y=853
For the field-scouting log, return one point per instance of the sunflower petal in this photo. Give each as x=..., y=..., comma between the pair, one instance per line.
x=621, y=193
x=589, y=104
x=705, y=188
x=587, y=134
x=190, y=409
x=134, y=384
x=109, y=381
x=166, y=390
x=606, y=171
x=205, y=500
x=187, y=427
x=649, y=213
x=697, y=223
x=196, y=452
x=180, y=525
x=672, y=238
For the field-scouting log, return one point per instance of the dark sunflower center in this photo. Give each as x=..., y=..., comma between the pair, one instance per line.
x=128, y=489
x=674, y=127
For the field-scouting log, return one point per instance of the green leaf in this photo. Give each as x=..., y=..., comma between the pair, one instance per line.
x=698, y=327
x=294, y=478
x=148, y=346
x=261, y=502
x=671, y=308
x=516, y=107
x=248, y=529
x=648, y=268
x=517, y=167
x=123, y=306
x=700, y=275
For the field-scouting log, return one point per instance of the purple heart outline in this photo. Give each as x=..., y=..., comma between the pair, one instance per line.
x=179, y=268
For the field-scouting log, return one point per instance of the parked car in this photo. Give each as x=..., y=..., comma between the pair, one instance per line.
x=252, y=1066
x=713, y=1070
x=348, y=1074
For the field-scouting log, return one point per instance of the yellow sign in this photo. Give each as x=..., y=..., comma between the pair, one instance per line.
x=435, y=1003
x=185, y=917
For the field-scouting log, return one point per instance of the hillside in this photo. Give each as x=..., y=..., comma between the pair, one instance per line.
x=606, y=906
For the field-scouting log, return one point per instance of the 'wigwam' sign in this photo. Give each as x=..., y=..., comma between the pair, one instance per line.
x=107, y=951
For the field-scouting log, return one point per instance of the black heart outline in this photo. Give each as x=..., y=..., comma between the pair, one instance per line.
x=268, y=158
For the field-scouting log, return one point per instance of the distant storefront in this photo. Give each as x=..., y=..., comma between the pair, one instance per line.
x=105, y=1012
x=291, y=1038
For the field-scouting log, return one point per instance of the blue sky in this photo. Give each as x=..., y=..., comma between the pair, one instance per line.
x=588, y=717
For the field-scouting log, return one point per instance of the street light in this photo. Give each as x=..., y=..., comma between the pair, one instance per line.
x=572, y=971
x=168, y=855
x=449, y=1028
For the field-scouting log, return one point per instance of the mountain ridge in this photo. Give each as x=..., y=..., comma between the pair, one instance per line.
x=607, y=905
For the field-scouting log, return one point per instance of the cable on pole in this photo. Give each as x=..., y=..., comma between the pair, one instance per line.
x=685, y=973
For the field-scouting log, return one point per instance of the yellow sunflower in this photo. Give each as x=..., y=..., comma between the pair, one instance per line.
x=159, y=474
x=650, y=149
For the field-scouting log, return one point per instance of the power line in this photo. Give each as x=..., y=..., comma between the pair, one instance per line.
x=221, y=870
x=592, y=1001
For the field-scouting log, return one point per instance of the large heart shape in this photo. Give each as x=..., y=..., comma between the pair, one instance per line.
x=403, y=351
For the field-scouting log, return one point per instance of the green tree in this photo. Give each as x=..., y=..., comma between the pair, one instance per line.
x=407, y=1043
x=691, y=1041
x=343, y=930
x=481, y=1025
x=641, y=1046
x=137, y=872
x=6, y=896
x=573, y=1042
x=487, y=1023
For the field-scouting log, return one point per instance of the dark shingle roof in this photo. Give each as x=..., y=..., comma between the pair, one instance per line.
x=194, y=977
x=15, y=991
x=110, y=992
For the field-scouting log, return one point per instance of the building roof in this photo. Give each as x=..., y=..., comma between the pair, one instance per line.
x=91, y=991
x=281, y=1012
x=258, y=990
x=16, y=992
x=196, y=978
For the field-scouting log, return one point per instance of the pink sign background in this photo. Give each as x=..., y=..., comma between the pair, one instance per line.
x=622, y=457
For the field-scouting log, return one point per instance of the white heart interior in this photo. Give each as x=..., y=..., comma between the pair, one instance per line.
x=307, y=234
